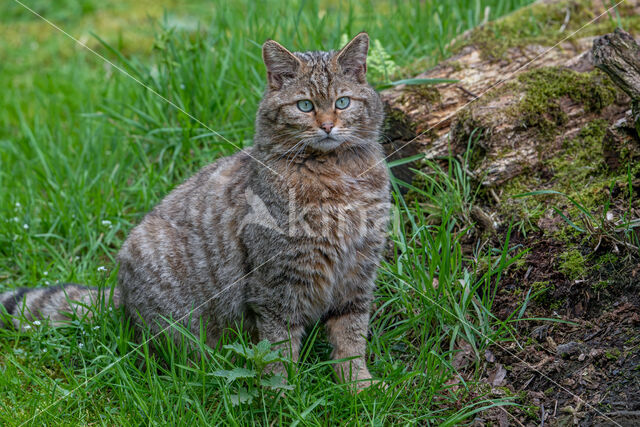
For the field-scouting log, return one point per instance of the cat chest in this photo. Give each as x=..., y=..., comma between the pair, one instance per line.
x=343, y=224
x=336, y=249
x=331, y=275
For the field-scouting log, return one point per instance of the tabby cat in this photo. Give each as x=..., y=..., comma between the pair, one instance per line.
x=274, y=237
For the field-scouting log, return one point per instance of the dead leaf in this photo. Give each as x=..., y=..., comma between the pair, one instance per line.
x=488, y=355
x=464, y=356
x=497, y=376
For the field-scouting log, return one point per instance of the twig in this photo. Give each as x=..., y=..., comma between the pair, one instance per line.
x=567, y=16
x=467, y=91
x=494, y=195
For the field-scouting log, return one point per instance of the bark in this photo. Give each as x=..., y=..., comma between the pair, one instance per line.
x=618, y=55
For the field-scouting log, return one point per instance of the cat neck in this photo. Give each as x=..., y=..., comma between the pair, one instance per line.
x=343, y=172
x=347, y=159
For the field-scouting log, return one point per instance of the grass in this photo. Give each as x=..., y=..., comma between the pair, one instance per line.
x=85, y=152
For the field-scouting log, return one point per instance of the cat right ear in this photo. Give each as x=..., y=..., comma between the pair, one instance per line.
x=352, y=58
x=281, y=64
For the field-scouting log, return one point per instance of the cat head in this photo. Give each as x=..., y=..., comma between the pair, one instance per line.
x=318, y=100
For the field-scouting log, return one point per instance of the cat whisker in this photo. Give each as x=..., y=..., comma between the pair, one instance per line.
x=301, y=150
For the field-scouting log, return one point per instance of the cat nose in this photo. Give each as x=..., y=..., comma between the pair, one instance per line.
x=327, y=126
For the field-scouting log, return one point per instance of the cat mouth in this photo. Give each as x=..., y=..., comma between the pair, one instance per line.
x=329, y=138
x=327, y=143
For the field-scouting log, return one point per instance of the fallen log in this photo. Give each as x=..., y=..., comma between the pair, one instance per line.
x=527, y=103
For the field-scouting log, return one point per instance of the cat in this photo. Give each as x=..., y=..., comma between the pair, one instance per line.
x=275, y=237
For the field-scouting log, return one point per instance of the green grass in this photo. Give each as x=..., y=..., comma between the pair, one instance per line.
x=85, y=152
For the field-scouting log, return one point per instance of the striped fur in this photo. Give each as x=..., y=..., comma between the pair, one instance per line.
x=55, y=303
x=275, y=237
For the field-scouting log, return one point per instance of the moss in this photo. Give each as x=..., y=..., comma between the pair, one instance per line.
x=455, y=65
x=541, y=24
x=528, y=407
x=573, y=264
x=580, y=157
x=544, y=87
x=613, y=353
x=580, y=171
x=520, y=264
x=422, y=94
x=397, y=125
x=567, y=235
x=606, y=260
x=577, y=168
x=542, y=292
x=600, y=285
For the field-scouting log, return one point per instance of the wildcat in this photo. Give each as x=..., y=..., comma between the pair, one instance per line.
x=274, y=237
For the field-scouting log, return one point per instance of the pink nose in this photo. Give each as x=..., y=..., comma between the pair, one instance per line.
x=327, y=126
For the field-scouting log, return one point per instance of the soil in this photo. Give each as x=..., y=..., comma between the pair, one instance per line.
x=584, y=367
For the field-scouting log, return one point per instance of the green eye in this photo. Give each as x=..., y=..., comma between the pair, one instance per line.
x=305, y=105
x=343, y=102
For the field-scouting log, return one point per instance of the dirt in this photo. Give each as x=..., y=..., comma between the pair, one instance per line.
x=584, y=367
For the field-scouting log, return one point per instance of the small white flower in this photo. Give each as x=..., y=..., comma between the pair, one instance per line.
x=36, y=322
x=25, y=226
x=106, y=223
x=18, y=204
x=181, y=86
x=102, y=268
x=46, y=282
x=45, y=273
x=44, y=350
x=80, y=345
x=110, y=308
x=95, y=328
x=15, y=219
x=27, y=327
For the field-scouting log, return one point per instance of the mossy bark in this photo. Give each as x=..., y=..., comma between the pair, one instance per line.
x=526, y=106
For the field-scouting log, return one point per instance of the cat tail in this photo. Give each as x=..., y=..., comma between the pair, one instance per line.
x=57, y=303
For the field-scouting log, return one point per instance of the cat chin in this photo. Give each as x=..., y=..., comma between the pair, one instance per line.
x=326, y=144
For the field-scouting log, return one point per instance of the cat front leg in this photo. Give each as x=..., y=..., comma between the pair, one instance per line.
x=347, y=333
x=283, y=336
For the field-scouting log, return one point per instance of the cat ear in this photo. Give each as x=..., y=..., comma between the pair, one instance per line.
x=281, y=64
x=352, y=58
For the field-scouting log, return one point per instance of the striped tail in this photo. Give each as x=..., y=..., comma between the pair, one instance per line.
x=56, y=303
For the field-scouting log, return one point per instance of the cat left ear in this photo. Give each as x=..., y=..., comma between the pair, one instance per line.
x=352, y=58
x=281, y=64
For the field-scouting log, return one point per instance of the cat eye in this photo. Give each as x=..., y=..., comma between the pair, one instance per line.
x=343, y=102
x=305, y=105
